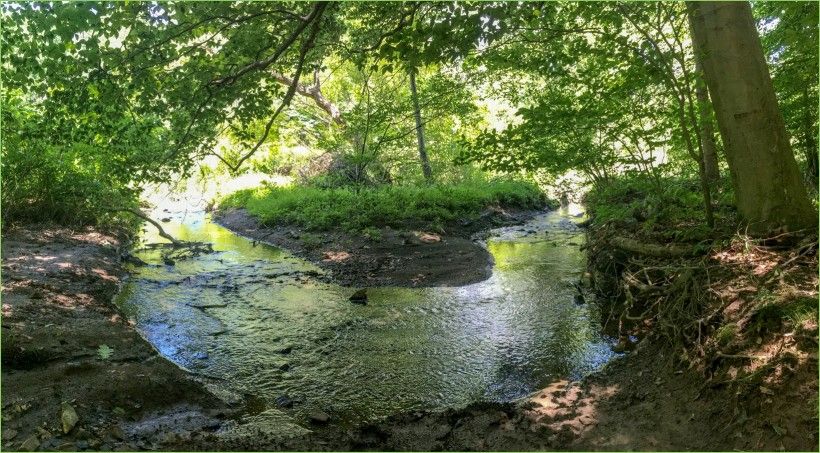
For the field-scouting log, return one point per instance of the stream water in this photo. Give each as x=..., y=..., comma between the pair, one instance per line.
x=253, y=317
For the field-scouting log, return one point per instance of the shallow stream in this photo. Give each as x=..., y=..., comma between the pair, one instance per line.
x=259, y=321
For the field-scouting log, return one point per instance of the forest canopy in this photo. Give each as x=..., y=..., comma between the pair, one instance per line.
x=101, y=99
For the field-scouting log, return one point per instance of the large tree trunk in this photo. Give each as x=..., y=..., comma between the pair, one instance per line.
x=425, y=162
x=769, y=190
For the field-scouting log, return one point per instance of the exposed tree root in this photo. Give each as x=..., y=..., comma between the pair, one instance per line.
x=657, y=250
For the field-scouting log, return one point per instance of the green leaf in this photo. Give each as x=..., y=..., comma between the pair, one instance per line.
x=104, y=352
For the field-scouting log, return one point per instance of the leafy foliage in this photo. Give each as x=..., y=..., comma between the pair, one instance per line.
x=103, y=98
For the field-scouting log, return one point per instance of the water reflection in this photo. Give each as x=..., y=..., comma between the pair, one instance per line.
x=253, y=315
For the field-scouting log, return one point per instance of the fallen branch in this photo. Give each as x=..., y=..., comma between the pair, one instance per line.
x=741, y=356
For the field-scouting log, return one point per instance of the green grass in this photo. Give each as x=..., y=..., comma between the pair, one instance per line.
x=395, y=206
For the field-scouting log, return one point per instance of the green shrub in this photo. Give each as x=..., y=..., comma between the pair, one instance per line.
x=67, y=173
x=671, y=208
x=356, y=209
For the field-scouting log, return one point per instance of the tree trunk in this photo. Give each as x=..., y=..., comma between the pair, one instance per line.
x=425, y=162
x=706, y=131
x=809, y=138
x=769, y=190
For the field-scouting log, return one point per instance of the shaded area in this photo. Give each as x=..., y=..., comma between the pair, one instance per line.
x=63, y=341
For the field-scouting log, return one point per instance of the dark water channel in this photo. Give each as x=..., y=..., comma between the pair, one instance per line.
x=258, y=319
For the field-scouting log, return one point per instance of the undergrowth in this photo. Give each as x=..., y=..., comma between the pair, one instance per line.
x=354, y=209
x=735, y=301
x=669, y=210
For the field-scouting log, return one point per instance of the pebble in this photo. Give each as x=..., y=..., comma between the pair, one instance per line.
x=68, y=417
x=30, y=444
x=116, y=432
x=284, y=401
x=319, y=417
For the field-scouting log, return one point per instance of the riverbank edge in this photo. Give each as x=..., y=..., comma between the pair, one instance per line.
x=645, y=400
x=410, y=257
x=76, y=374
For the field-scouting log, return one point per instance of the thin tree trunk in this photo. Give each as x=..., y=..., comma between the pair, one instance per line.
x=769, y=190
x=425, y=162
x=809, y=138
x=706, y=131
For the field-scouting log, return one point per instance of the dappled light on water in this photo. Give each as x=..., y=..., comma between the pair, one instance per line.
x=260, y=319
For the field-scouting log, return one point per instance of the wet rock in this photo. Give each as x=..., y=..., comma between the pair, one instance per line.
x=623, y=346
x=82, y=434
x=67, y=446
x=284, y=401
x=48, y=443
x=319, y=417
x=359, y=297
x=116, y=432
x=9, y=434
x=166, y=219
x=30, y=444
x=284, y=367
x=167, y=438
x=68, y=417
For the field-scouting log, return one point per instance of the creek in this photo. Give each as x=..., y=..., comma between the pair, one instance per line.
x=260, y=321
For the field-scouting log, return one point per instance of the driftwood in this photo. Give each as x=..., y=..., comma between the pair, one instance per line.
x=657, y=250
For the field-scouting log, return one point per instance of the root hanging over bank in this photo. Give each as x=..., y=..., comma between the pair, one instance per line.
x=708, y=304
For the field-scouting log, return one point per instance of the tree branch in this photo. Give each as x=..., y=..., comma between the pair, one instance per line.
x=306, y=46
x=313, y=17
x=314, y=92
x=156, y=224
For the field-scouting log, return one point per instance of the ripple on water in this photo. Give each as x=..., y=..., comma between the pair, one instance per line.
x=252, y=316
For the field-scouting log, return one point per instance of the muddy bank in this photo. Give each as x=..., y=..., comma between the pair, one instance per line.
x=411, y=257
x=66, y=348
